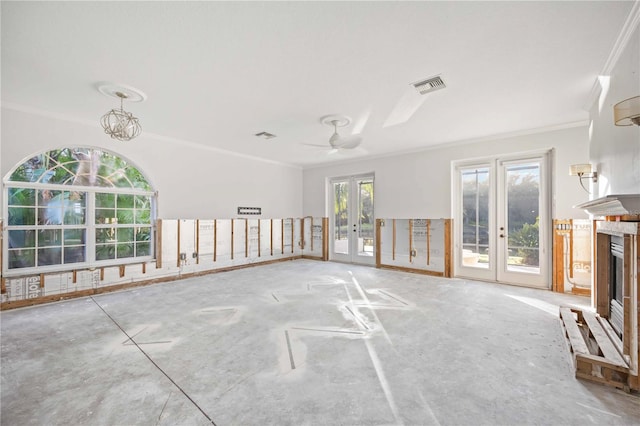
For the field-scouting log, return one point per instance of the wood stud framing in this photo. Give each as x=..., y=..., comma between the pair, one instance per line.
x=447, y=247
x=181, y=225
x=158, y=243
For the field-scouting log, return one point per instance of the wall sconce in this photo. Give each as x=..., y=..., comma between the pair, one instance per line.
x=583, y=171
x=627, y=112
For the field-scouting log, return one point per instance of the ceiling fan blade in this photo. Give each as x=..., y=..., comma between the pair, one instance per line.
x=315, y=145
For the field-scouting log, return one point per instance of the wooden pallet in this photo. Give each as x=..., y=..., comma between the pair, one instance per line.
x=596, y=349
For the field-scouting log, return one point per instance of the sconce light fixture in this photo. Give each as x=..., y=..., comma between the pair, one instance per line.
x=583, y=171
x=627, y=112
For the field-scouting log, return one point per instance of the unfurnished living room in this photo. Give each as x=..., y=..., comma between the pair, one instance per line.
x=320, y=213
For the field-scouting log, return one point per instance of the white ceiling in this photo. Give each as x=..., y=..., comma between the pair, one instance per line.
x=216, y=73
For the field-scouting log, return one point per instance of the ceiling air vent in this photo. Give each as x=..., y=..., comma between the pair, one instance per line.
x=265, y=135
x=429, y=85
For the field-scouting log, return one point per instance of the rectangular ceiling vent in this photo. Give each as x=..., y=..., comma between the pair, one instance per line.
x=429, y=85
x=265, y=135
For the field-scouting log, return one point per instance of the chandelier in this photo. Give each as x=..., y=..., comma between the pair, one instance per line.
x=120, y=124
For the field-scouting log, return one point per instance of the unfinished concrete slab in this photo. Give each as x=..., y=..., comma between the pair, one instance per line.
x=301, y=342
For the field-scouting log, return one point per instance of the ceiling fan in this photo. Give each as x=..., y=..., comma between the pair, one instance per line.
x=338, y=142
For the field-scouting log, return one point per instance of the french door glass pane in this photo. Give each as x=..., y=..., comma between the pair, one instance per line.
x=475, y=217
x=523, y=215
x=341, y=217
x=365, y=218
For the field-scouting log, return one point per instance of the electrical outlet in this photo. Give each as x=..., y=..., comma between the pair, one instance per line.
x=414, y=253
x=183, y=256
x=194, y=254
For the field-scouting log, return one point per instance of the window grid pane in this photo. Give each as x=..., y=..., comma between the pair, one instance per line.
x=48, y=225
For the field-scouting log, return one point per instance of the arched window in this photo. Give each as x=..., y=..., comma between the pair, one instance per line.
x=76, y=207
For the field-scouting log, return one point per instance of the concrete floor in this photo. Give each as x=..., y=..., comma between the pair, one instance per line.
x=301, y=343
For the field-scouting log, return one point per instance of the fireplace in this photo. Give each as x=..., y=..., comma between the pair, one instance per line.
x=616, y=296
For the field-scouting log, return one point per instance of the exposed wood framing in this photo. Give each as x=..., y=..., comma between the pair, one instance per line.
x=198, y=241
x=570, y=248
x=626, y=295
x=158, y=243
x=3, y=290
x=232, y=239
x=559, y=231
x=325, y=238
x=428, y=241
x=215, y=239
x=448, y=248
x=246, y=238
x=74, y=276
x=415, y=270
x=111, y=288
x=292, y=236
x=602, y=274
x=178, y=261
x=3, y=285
x=557, y=282
x=393, y=243
x=411, y=240
x=282, y=235
x=378, y=236
x=259, y=249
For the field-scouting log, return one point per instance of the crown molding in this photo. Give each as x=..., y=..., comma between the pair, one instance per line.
x=63, y=117
x=445, y=145
x=630, y=25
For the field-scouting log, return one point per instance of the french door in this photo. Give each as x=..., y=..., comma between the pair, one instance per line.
x=502, y=220
x=351, y=224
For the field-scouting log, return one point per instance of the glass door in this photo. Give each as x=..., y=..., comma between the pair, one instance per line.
x=476, y=195
x=522, y=222
x=502, y=221
x=352, y=223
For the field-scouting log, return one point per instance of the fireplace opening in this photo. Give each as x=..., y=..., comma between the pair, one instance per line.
x=616, y=284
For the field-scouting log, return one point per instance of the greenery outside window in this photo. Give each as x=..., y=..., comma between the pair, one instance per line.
x=76, y=207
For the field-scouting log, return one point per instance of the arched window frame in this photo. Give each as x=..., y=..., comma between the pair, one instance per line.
x=100, y=211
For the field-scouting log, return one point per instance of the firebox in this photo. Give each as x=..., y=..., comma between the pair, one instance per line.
x=616, y=284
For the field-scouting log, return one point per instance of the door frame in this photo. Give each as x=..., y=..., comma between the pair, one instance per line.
x=497, y=272
x=352, y=256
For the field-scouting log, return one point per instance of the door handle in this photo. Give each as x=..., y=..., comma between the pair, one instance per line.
x=501, y=235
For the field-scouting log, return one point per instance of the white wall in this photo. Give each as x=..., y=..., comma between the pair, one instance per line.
x=192, y=182
x=615, y=150
x=418, y=185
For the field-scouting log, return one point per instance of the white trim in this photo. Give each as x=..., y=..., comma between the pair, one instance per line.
x=445, y=145
x=628, y=28
x=630, y=25
x=171, y=140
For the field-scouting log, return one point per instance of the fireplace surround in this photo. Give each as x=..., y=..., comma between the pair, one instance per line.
x=617, y=286
x=616, y=295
